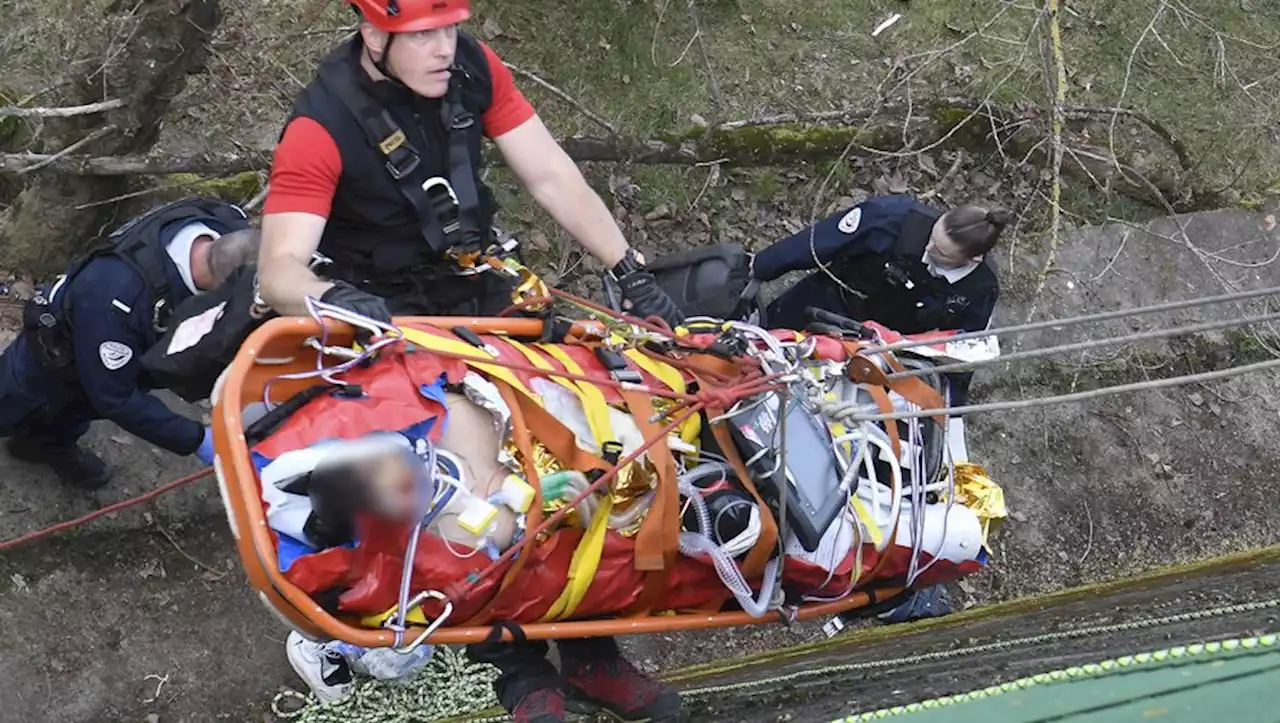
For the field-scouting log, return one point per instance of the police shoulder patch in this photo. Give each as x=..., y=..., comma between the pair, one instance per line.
x=114, y=355
x=849, y=223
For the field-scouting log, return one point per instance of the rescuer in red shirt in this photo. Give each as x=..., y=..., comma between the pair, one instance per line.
x=378, y=169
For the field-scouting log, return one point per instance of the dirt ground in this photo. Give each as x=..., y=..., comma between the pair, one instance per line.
x=146, y=614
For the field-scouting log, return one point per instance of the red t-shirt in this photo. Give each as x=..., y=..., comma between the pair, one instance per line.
x=307, y=164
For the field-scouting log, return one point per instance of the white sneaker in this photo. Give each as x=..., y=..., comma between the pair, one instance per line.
x=323, y=669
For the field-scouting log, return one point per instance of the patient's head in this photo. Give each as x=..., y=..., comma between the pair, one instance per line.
x=376, y=474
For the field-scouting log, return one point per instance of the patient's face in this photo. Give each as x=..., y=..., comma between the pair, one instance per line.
x=392, y=485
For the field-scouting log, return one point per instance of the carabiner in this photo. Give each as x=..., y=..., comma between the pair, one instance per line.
x=431, y=628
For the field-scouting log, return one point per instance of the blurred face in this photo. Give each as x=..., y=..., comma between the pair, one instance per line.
x=393, y=488
x=944, y=252
x=421, y=60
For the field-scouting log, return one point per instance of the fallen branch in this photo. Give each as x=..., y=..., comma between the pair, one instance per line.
x=769, y=141
x=563, y=96
x=64, y=112
x=100, y=133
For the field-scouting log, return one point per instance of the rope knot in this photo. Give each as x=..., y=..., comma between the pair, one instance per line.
x=718, y=397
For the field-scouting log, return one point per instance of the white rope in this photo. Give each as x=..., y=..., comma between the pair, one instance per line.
x=1073, y=320
x=851, y=412
x=1090, y=344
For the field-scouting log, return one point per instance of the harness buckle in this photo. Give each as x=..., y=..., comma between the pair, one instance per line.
x=397, y=172
x=616, y=363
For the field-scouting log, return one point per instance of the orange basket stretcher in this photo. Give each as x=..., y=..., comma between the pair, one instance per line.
x=284, y=348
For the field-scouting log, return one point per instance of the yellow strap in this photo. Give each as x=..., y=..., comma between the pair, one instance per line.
x=582, y=569
x=538, y=361
x=474, y=356
x=672, y=377
x=375, y=621
x=859, y=507
x=663, y=371
x=593, y=401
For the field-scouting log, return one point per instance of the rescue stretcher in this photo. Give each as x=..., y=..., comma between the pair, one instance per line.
x=678, y=389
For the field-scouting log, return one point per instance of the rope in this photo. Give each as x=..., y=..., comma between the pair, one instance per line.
x=450, y=686
x=848, y=412
x=1074, y=320
x=1090, y=344
x=147, y=497
x=1180, y=654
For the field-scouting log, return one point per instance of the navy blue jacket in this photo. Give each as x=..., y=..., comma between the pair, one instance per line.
x=873, y=238
x=110, y=309
x=877, y=232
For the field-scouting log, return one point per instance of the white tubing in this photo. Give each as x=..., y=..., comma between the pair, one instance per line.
x=694, y=544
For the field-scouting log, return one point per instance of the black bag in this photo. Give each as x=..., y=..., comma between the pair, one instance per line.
x=705, y=281
x=204, y=334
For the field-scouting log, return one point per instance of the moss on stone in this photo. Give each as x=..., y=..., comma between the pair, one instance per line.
x=237, y=188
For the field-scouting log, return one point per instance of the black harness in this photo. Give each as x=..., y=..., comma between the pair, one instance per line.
x=448, y=209
x=137, y=243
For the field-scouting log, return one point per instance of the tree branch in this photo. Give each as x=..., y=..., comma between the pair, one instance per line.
x=64, y=112
x=563, y=96
x=100, y=133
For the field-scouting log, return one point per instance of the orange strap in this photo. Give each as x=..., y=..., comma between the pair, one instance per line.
x=558, y=439
x=891, y=426
x=658, y=541
x=524, y=444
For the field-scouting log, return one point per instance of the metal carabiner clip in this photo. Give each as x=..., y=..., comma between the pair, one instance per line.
x=441, y=182
x=431, y=628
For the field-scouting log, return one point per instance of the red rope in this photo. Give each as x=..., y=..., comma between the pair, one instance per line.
x=604, y=381
x=455, y=591
x=147, y=497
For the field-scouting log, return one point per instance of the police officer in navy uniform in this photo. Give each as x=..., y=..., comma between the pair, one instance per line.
x=77, y=358
x=379, y=169
x=905, y=265
x=892, y=260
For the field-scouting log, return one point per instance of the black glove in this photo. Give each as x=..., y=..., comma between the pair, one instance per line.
x=361, y=302
x=648, y=299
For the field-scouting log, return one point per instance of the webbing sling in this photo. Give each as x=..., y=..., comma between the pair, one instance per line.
x=475, y=356
x=447, y=209
x=520, y=434
x=586, y=557
x=658, y=541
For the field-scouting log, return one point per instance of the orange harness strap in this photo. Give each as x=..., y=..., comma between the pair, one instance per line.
x=658, y=541
x=525, y=445
x=753, y=566
x=882, y=399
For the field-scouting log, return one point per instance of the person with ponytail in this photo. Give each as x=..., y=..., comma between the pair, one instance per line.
x=893, y=260
x=910, y=267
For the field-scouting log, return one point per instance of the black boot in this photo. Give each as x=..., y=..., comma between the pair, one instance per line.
x=73, y=464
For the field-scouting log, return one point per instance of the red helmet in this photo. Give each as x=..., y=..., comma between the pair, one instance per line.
x=409, y=16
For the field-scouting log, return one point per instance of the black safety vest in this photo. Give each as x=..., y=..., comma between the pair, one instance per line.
x=382, y=224
x=901, y=293
x=139, y=244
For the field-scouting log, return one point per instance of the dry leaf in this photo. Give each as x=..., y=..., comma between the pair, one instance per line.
x=491, y=29
x=897, y=184
x=662, y=211
x=1268, y=222
x=538, y=240
x=928, y=164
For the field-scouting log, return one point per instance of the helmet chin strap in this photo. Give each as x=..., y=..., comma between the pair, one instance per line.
x=381, y=63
